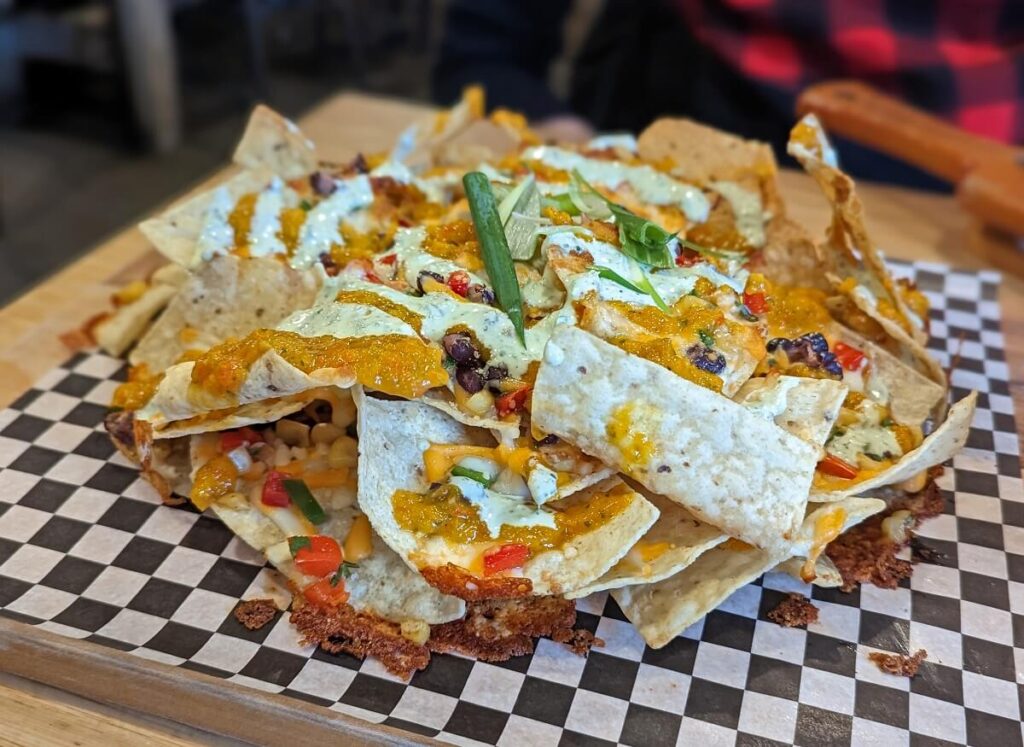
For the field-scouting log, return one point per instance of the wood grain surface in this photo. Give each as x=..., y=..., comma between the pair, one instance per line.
x=34, y=338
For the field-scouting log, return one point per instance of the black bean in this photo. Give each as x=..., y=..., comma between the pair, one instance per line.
x=469, y=379
x=322, y=183
x=706, y=359
x=549, y=440
x=478, y=293
x=496, y=372
x=460, y=347
x=428, y=274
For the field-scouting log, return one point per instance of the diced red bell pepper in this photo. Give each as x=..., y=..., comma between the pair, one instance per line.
x=687, y=258
x=274, y=493
x=848, y=356
x=833, y=465
x=321, y=557
x=323, y=594
x=458, y=281
x=502, y=558
x=511, y=402
x=231, y=440
x=756, y=302
x=388, y=259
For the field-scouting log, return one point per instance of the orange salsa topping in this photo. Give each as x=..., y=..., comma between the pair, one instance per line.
x=393, y=364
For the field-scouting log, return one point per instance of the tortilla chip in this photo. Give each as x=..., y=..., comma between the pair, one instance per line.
x=225, y=297
x=790, y=256
x=826, y=575
x=443, y=401
x=175, y=231
x=807, y=408
x=848, y=224
x=703, y=154
x=913, y=397
x=728, y=466
x=675, y=540
x=273, y=142
x=939, y=446
x=117, y=332
x=663, y=610
x=392, y=438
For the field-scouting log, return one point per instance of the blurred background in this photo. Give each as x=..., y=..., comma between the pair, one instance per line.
x=110, y=107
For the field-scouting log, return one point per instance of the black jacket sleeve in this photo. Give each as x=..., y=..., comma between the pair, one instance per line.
x=506, y=45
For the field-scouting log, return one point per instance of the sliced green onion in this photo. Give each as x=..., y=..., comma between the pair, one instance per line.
x=472, y=474
x=297, y=543
x=306, y=205
x=519, y=196
x=588, y=200
x=707, y=338
x=563, y=203
x=643, y=286
x=344, y=571
x=494, y=248
x=639, y=238
x=650, y=290
x=302, y=498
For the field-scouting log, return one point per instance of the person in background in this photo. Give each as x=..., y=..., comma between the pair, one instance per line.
x=739, y=64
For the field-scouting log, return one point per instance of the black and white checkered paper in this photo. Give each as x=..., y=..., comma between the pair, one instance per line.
x=87, y=551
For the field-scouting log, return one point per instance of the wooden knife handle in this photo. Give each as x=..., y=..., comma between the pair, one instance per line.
x=863, y=114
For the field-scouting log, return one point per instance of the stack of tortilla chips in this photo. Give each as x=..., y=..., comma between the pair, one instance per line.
x=653, y=383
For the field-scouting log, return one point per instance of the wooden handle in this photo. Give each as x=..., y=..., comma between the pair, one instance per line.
x=861, y=113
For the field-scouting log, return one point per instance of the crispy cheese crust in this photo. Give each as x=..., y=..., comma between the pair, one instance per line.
x=901, y=665
x=793, y=611
x=255, y=613
x=450, y=579
x=865, y=553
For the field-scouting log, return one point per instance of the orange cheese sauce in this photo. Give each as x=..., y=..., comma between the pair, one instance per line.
x=394, y=364
x=629, y=437
x=445, y=513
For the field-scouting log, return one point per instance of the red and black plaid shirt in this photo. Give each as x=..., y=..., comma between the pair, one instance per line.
x=961, y=59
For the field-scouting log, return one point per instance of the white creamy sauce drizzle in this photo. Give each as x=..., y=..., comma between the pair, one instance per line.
x=863, y=439
x=345, y=320
x=771, y=400
x=747, y=209
x=216, y=236
x=266, y=221
x=671, y=284
x=412, y=259
x=321, y=228
x=623, y=140
x=651, y=186
x=498, y=509
x=491, y=326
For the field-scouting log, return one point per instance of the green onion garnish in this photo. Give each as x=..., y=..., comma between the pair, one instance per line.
x=561, y=202
x=887, y=422
x=472, y=474
x=297, y=543
x=302, y=498
x=306, y=205
x=643, y=286
x=609, y=274
x=707, y=338
x=639, y=238
x=494, y=248
x=344, y=571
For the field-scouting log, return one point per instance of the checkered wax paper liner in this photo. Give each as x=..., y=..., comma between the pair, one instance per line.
x=87, y=551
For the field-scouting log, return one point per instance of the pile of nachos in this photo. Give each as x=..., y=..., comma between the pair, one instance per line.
x=449, y=389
